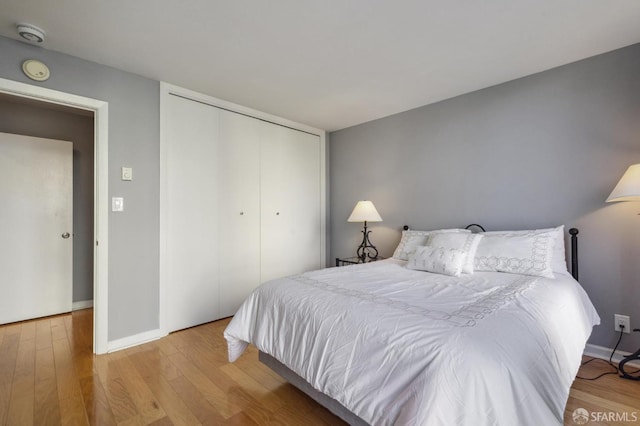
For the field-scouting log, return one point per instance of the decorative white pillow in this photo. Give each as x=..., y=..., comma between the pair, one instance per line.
x=440, y=260
x=558, y=258
x=468, y=243
x=412, y=239
x=517, y=253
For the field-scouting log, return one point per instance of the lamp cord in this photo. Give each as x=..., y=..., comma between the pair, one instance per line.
x=616, y=370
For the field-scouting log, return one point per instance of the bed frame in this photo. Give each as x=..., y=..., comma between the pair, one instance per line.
x=334, y=406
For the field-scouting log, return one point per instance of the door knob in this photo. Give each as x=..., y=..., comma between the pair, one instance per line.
x=66, y=235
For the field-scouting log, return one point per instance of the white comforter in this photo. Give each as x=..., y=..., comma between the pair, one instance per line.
x=404, y=347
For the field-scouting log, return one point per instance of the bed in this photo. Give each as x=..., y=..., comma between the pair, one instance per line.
x=386, y=343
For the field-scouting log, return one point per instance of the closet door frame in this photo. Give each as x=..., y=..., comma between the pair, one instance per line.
x=167, y=90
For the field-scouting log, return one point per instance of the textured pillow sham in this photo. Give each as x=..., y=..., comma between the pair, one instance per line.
x=517, y=253
x=439, y=260
x=466, y=242
x=558, y=257
x=412, y=239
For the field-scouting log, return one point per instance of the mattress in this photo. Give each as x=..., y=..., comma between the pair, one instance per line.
x=403, y=347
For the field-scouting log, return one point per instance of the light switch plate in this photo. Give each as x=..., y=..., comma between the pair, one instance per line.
x=117, y=204
x=127, y=173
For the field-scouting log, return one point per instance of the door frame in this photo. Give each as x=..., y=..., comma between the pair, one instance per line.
x=100, y=197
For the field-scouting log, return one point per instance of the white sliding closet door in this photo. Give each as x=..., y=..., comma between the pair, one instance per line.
x=192, y=208
x=241, y=204
x=239, y=226
x=290, y=202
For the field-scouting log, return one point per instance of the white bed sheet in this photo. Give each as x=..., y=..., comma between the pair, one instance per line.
x=404, y=347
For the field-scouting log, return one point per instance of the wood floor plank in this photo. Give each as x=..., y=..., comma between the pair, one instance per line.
x=256, y=404
x=210, y=391
x=8, y=358
x=165, y=421
x=46, y=402
x=241, y=396
x=96, y=404
x=81, y=343
x=120, y=400
x=156, y=363
x=5, y=396
x=67, y=381
x=20, y=411
x=270, y=400
x=166, y=345
x=68, y=325
x=241, y=419
x=144, y=400
x=172, y=403
x=43, y=333
x=21, y=403
x=136, y=420
x=58, y=331
x=28, y=330
x=250, y=364
x=205, y=412
x=72, y=412
x=13, y=328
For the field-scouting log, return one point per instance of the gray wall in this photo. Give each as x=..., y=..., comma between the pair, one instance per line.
x=133, y=142
x=43, y=122
x=535, y=152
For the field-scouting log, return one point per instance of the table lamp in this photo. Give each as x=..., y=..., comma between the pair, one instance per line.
x=365, y=211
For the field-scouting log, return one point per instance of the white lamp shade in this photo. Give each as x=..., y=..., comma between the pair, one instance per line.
x=364, y=211
x=628, y=189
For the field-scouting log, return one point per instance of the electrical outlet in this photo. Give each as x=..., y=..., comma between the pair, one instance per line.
x=623, y=320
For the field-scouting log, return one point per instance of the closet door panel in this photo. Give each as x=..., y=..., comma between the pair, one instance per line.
x=290, y=201
x=192, y=211
x=239, y=217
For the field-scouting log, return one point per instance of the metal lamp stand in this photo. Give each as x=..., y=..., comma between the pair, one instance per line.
x=366, y=250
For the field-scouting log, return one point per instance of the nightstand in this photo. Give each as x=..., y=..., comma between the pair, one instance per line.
x=344, y=261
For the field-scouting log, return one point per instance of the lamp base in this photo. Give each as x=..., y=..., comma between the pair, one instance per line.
x=366, y=250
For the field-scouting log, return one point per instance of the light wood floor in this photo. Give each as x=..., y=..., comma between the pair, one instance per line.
x=48, y=376
x=609, y=395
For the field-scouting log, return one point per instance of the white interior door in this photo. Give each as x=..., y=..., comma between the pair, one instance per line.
x=239, y=226
x=192, y=210
x=36, y=248
x=290, y=201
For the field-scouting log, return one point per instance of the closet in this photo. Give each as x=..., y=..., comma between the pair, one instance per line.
x=241, y=203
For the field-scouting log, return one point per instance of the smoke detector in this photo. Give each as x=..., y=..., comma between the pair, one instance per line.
x=31, y=33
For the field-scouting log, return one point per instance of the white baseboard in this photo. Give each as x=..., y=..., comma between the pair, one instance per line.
x=82, y=304
x=601, y=352
x=135, y=340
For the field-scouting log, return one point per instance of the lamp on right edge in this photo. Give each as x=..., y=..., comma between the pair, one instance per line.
x=628, y=188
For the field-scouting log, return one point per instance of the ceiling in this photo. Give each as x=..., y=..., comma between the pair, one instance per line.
x=330, y=64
